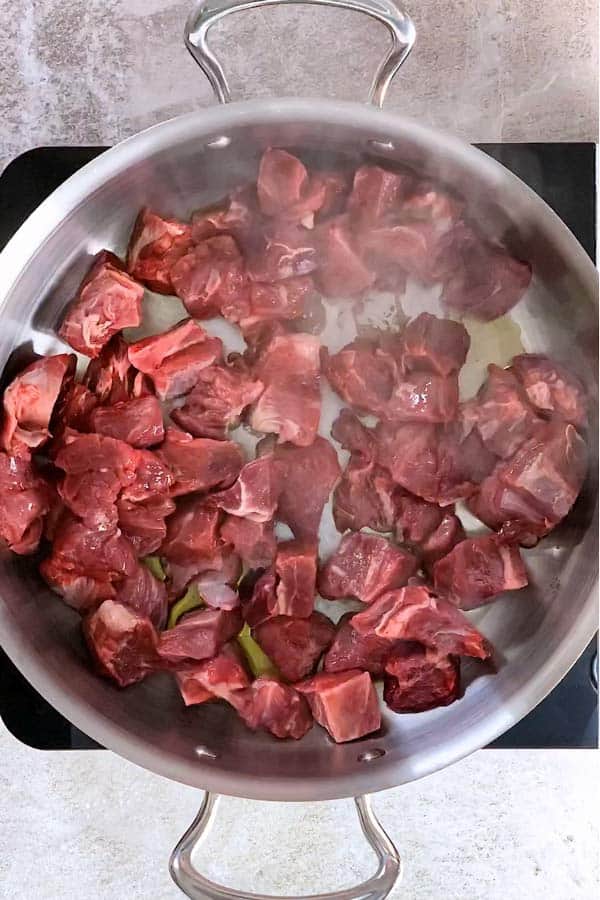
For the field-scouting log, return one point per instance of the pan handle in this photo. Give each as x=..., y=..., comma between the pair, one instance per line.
x=198, y=887
x=207, y=13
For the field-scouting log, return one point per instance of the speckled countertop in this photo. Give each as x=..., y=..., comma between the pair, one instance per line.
x=499, y=825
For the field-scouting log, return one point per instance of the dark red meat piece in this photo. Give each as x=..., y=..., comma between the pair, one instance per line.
x=199, y=464
x=365, y=566
x=29, y=401
x=351, y=650
x=349, y=431
x=72, y=410
x=345, y=703
x=238, y=215
x=290, y=405
x=429, y=530
x=174, y=359
x=502, y=413
x=417, y=678
x=211, y=280
x=261, y=603
x=282, y=251
x=111, y=376
x=122, y=642
x=310, y=473
x=87, y=565
x=413, y=613
x=362, y=374
x=477, y=570
x=296, y=569
x=217, y=677
x=154, y=247
x=153, y=478
x=138, y=422
x=282, y=300
x=253, y=542
x=377, y=194
x=284, y=188
x=108, y=300
x=199, y=635
x=193, y=534
x=365, y=497
x=220, y=396
x=551, y=388
x=295, y=645
x=144, y=594
x=255, y=493
x=25, y=498
x=342, y=271
x=273, y=706
x=423, y=397
x=434, y=345
x=144, y=523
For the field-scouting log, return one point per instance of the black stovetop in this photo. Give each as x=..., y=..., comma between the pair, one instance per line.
x=564, y=175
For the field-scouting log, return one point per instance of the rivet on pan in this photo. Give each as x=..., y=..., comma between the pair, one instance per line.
x=201, y=750
x=370, y=755
x=219, y=143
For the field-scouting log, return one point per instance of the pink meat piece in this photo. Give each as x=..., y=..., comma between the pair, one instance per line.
x=537, y=487
x=350, y=432
x=96, y=469
x=418, y=678
x=108, y=300
x=143, y=523
x=215, y=586
x=423, y=397
x=255, y=493
x=155, y=245
x=153, y=478
x=434, y=345
x=282, y=251
x=122, y=642
x=25, y=499
x=351, y=650
x=310, y=474
x=377, y=194
x=87, y=565
x=552, y=388
x=335, y=187
x=261, y=604
x=477, y=570
x=345, y=703
x=463, y=462
x=174, y=359
x=290, y=405
x=193, y=534
x=413, y=613
x=237, y=215
x=29, y=401
x=486, y=281
x=431, y=531
x=199, y=464
x=295, y=645
x=502, y=413
x=427, y=202
x=365, y=497
x=138, y=422
x=282, y=300
x=274, y=707
x=362, y=374
x=342, y=271
x=217, y=677
x=144, y=594
x=365, y=566
x=216, y=403
x=199, y=635
x=296, y=569
x=111, y=376
x=284, y=188
x=211, y=280
x=447, y=535
x=253, y=542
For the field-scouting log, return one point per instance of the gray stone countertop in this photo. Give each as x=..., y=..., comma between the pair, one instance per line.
x=96, y=71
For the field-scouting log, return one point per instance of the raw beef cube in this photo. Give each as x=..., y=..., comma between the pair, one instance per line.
x=441, y=540
x=285, y=300
x=414, y=247
x=25, y=498
x=138, y=422
x=211, y=280
x=295, y=645
x=199, y=464
x=273, y=706
x=479, y=569
x=261, y=604
x=310, y=474
x=214, y=586
x=284, y=188
x=431, y=531
x=108, y=300
x=154, y=247
x=423, y=397
x=282, y=251
x=72, y=410
x=216, y=403
x=417, y=678
x=365, y=566
x=409, y=452
x=342, y=272
x=351, y=650
x=122, y=642
x=174, y=359
x=29, y=401
x=551, y=388
x=255, y=493
x=193, y=534
x=414, y=614
x=296, y=568
x=290, y=405
x=238, y=215
x=111, y=376
x=363, y=375
x=199, y=635
x=144, y=523
x=153, y=479
x=254, y=543
x=144, y=594
x=365, y=497
x=377, y=194
x=217, y=677
x=345, y=703
x=463, y=461
x=434, y=345
x=349, y=431
x=502, y=413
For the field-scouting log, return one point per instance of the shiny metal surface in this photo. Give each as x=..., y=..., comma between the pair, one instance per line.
x=539, y=633
x=207, y=13
x=187, y=876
